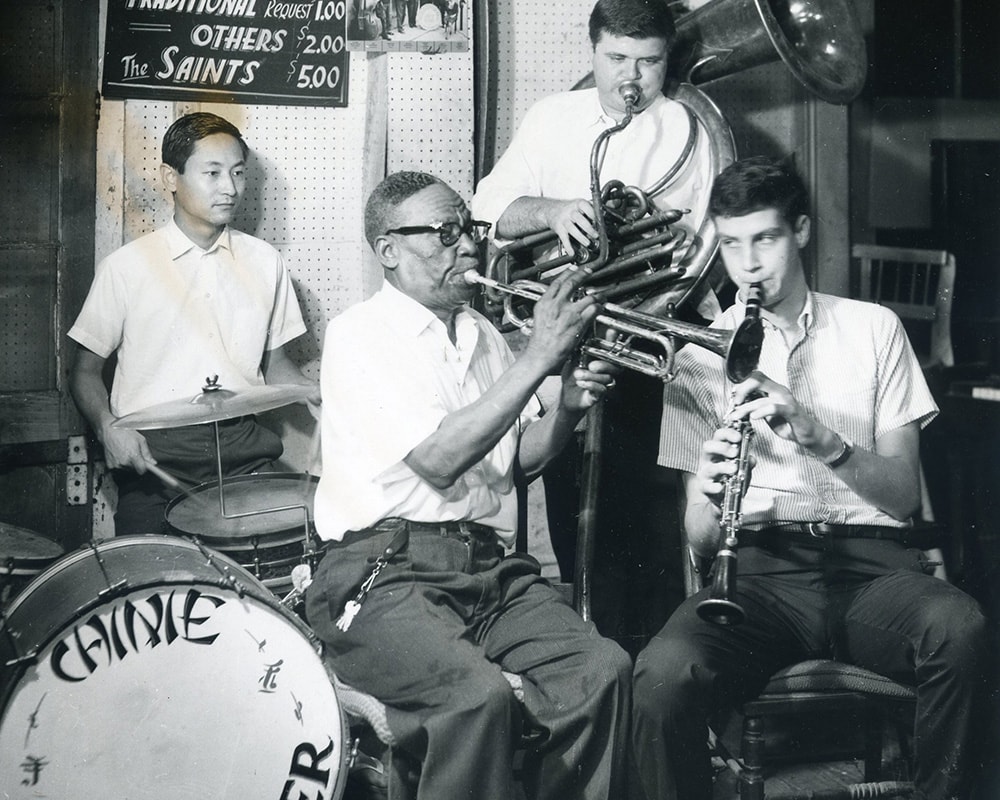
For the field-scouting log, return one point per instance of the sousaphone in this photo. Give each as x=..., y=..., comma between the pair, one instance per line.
x=819, y=41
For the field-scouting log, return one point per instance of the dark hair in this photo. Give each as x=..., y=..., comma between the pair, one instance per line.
x=757, y=183
x=384, y=199
x=181, y=137
x=637, y=19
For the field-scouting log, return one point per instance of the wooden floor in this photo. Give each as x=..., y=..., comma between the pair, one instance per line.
x=795, y=781
x=804, y=780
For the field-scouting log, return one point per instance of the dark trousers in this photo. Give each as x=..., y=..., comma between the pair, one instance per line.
x=865, y=602
x=400, y=12
x=189, y=454
x=430, y=640
x=411, y=9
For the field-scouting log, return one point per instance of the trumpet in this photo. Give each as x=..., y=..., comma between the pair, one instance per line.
x=720, y=607
x=740, y=348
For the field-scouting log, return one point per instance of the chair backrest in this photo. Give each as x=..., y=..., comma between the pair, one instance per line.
x=918, y=285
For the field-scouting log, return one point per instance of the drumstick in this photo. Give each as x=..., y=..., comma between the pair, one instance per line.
x=169, y=479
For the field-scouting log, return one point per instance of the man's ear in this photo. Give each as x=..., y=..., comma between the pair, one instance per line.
x=386, y=252
x=169, y=177
x=803, y=229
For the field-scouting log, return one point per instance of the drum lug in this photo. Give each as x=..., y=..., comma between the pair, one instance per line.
x=77, y=472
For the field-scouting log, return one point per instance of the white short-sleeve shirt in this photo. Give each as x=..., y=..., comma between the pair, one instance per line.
x=389, y=376
x=177, y=314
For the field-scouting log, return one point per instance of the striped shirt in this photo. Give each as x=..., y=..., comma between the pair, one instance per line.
x=852, y=369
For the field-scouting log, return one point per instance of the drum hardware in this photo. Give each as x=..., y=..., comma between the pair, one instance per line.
x=110, y=589
x=228, y=579
x=213, y=405
x=268, y=536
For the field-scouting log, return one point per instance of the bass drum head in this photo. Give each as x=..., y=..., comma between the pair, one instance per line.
x=148, y=669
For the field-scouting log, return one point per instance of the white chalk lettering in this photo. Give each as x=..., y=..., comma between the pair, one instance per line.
x=205, y=70
x=280, y=10
x=221, y=8
x=238, y=37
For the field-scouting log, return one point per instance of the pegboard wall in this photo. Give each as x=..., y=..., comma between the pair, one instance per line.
x=430, y=116
x=543, y=48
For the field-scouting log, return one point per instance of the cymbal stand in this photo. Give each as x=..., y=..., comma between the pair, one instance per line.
x=309, y=545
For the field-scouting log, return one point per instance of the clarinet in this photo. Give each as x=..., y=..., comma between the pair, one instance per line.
x=720, y=607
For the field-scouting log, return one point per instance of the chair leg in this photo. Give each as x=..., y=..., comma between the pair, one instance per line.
x=873, y=745
x=752, y=755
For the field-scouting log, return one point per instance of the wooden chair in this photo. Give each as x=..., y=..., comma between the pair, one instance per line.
x=919, y=286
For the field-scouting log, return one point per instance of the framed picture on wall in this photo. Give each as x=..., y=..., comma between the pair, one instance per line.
x=408, y=26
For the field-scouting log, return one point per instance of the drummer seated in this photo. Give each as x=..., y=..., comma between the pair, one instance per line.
x=417, y=600
x=148, y=307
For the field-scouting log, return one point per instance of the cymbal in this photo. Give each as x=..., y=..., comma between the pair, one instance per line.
x=215, y=405
x=21, y=548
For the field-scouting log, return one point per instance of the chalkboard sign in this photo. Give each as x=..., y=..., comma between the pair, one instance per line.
x=230, y=51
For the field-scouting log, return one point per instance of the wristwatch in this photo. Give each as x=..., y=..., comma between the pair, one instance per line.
x=846, y=449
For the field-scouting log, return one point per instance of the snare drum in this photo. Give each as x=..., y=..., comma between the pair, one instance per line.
x=23, y=554
x=151, y=668
x=266, y=527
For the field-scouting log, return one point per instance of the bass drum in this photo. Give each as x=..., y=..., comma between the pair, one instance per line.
x=151, y=668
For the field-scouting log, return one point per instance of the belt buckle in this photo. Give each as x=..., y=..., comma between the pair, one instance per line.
x=816, y=530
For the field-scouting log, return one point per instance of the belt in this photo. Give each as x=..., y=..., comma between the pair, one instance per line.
x=813, y=531
x=456, y=529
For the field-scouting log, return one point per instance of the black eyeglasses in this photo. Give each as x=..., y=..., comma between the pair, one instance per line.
x=450, y=232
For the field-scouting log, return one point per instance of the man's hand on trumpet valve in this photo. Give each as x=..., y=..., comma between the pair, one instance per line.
x=561, y=318
x=584, y=385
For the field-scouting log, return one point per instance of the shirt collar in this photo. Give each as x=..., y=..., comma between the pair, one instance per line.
x=408, y=316
x=599, y=117
x=179, y=244
x=808, y=315
x=806, y=318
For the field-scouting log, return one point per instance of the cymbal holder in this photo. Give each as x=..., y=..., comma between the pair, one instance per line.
x=309, y=546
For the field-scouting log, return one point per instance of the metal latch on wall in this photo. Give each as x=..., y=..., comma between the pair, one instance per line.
x=77, y=472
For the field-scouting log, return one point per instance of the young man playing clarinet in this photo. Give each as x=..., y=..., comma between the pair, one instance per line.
x=836, y=405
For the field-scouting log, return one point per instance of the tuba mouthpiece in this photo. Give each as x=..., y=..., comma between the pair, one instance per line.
x=630, y=93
